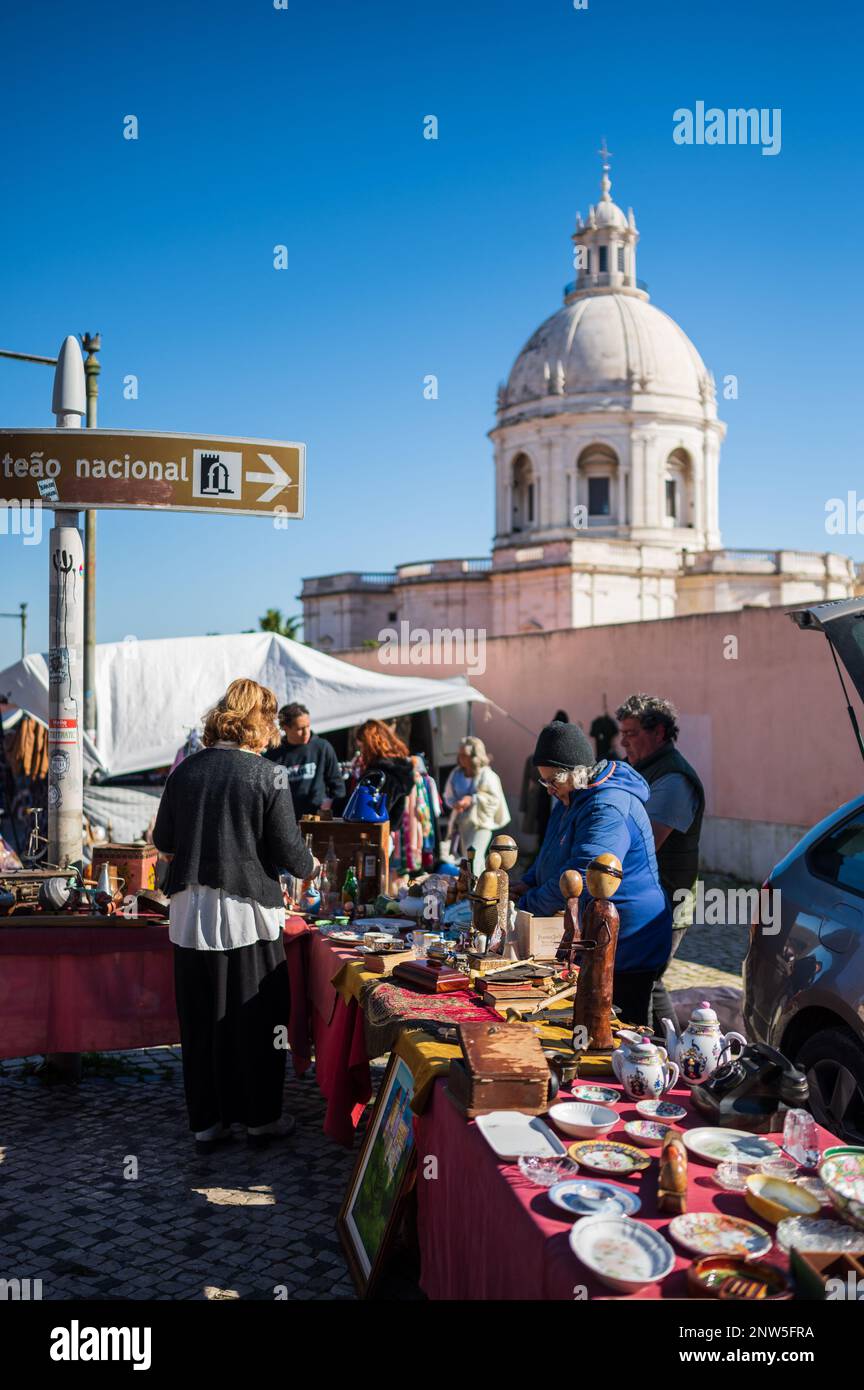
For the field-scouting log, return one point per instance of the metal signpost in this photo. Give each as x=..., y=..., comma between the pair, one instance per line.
x=70, y=469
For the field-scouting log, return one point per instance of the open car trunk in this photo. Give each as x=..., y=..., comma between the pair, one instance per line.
x=842, y=622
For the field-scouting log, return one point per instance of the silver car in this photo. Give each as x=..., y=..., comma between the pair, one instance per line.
x=804, y=985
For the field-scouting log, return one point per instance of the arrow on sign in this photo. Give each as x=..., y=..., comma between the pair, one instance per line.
x=277, y=478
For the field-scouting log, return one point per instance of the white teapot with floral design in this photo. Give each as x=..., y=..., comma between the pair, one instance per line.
x=643, y=1069
x=700, y=1047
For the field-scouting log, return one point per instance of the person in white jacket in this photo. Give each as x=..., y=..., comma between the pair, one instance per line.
x=476, y=800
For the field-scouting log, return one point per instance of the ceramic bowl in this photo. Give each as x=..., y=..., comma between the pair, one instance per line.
x=623, y=1254
x=775, y=1198
x=596, y=1095
x=662, y=1110
x=648, y=1133
x=581, y=1120
x=843, y=1175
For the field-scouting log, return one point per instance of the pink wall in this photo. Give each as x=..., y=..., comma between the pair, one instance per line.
x=768, y=731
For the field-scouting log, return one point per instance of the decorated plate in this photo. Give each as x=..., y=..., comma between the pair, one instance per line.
x=624, y=1254
x=814, y=1233
x=843, y=1176
x=715, y=1145
x=608, y=1156
x=597, y=1095
x=648, y=1133
x=712, y=1233
x=664, y=1110
x=346, y=938
x=589, y=1197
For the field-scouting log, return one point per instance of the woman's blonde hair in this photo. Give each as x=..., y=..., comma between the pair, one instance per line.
x=476, y=750
x=246, y=714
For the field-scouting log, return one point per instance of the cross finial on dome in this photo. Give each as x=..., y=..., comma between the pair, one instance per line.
x=605, y=184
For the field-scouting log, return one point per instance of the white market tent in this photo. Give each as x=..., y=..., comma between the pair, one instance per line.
x=149, y=694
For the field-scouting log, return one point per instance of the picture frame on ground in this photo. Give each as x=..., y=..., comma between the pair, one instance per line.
x=382, y=1177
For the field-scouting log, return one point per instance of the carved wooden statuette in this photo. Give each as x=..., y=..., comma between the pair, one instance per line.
x=672, y=1178
x=570, y=884
x=465, y=880
x=500, y=931
x=592, y=1011
x=484, y=910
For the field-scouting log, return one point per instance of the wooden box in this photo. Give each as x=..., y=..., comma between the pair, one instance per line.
x=345, y=835
x=502, y=1068
x=539, y=937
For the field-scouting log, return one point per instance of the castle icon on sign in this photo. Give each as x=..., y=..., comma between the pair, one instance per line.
x=217, y=474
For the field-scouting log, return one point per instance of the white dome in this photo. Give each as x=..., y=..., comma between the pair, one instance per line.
x=607, y=345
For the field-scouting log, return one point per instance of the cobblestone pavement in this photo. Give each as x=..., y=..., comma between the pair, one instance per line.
x=240, y=1224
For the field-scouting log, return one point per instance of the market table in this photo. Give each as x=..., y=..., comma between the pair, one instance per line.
x=356, y=1015
x=488, y=1233
x=106, y=988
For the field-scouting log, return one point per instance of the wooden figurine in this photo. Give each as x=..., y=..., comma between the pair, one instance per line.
x=570, y=884
x=484, y=911
x=465, y=880
x=672, y=1178
x=592, y=1011
x=500, y=932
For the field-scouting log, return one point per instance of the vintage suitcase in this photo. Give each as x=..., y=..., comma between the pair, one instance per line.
x=502, y=1068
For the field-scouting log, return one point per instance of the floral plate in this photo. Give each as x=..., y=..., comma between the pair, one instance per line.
x=663, y=1110
x=648, y=1133
x=624, y=1254
x=843, y=1176
x=712, y=1233
x=597, y=1095
x=608, y=1156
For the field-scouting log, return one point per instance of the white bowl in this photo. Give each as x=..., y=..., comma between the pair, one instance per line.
x=622, y=1253
x=581, y=1119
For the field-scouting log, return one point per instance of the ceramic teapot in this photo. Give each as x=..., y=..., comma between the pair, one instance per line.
x=700, y=1047
x=644, y=1070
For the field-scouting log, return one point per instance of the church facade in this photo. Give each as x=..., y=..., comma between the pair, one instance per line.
x=607, y=461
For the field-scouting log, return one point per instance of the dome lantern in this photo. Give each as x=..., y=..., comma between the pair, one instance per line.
x=605, y=245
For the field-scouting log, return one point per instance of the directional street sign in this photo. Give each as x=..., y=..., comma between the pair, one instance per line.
x=123, y=470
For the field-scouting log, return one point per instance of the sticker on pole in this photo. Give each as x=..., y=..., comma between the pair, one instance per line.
x=62, y=730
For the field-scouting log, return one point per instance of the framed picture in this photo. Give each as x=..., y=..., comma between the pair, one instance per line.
x=381, y=1178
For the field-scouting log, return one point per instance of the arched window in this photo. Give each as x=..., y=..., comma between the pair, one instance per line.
x=677, y=489
x=523, y=493
x=597, y=486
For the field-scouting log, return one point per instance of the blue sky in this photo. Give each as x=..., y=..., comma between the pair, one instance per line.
x=409, y=257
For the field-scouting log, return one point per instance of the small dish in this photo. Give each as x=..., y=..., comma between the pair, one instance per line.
x=706, y=1277
x=623, y=1254
x=663, y=1110
x=813, y=1233
x=776, y=1198
x=585, y=1197
x=596, y=1095
x=779, y=1166
x=609, y=1156
x=546, y=1172
x=733, y=1175
x=583, y=1121
x=712, y=1233
x=648, y=1133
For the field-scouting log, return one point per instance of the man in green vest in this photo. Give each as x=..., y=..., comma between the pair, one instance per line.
x=649, y=729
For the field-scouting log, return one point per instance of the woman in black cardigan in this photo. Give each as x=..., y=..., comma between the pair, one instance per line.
x=226, y=824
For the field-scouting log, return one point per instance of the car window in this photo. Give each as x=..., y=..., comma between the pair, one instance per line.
x=839, y=858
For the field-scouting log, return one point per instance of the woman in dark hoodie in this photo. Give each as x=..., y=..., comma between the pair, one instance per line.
x=599, y=807
x=381, y=750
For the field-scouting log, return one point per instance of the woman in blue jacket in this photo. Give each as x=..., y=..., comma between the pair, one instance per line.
x=600, y=808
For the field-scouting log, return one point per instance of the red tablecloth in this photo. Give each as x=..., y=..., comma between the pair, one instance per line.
x=341, y=1064
x=101, y=989
x=486, y=1232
